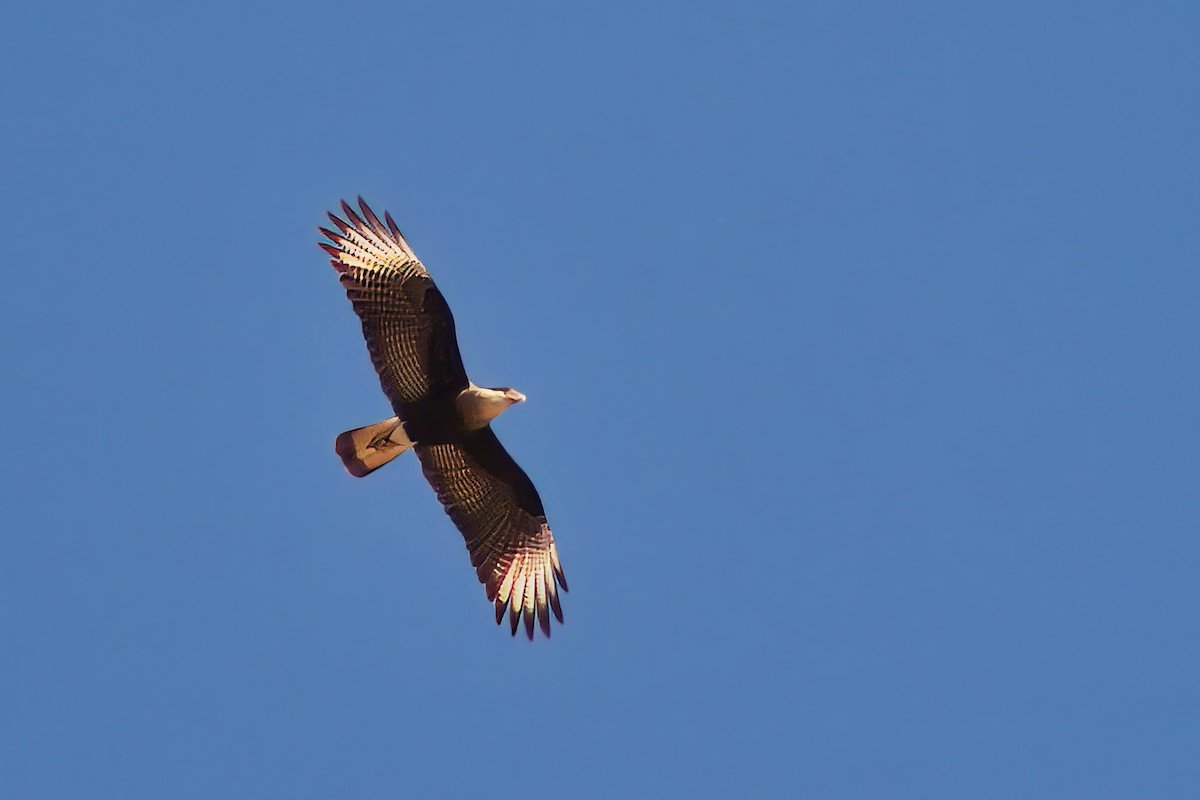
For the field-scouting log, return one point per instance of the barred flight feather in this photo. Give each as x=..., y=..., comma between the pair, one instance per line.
x=368, y=245
x=510, y=543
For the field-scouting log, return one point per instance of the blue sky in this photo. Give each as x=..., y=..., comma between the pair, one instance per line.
x=860, y=343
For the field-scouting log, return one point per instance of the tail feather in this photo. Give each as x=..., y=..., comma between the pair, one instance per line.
x=364, y=450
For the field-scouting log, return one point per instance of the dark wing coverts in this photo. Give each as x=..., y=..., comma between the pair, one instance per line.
x=410, y=335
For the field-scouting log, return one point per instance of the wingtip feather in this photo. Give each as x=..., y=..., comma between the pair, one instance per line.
x=351, y=216
x=338, y=223
x=556, y=607
x=372, y=220
x=392, y=226
x=543, y=615
x=558, y=570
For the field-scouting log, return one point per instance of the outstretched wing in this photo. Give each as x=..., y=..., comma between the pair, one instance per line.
x=498, y=511
x=408, y=326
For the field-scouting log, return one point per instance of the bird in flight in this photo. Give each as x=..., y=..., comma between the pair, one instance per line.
x=444, y=418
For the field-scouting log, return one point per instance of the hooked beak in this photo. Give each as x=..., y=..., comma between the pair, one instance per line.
x=515, y=396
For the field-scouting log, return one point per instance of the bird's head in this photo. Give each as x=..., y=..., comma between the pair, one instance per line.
x=511, y=395
x=496, y=401
x=478, y=406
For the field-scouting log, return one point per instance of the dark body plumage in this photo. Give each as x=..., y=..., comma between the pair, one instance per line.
x=410, y=335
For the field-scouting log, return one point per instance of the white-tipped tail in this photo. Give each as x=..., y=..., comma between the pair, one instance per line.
x=364, y=450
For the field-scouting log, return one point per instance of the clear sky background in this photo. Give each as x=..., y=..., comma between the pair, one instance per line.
x=860, y=342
